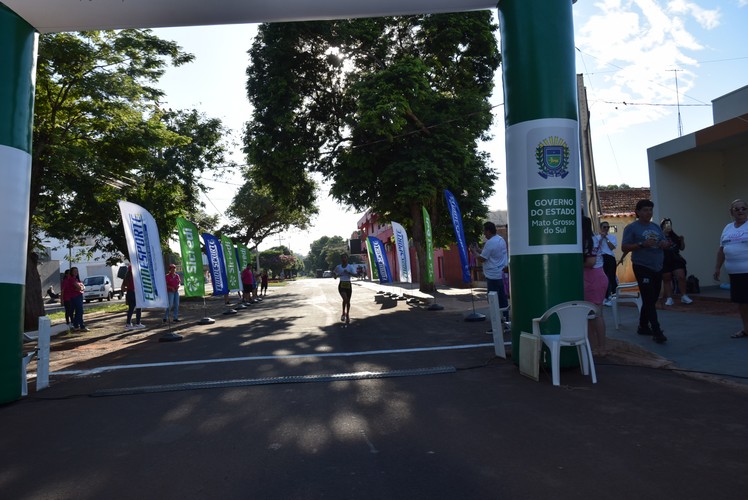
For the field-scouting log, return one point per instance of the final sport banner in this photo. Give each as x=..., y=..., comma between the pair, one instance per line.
x=403, y=252
x=456, y=216
x=217, y=266
x=147, y=261
x=380, y=259
x=372, y=261
x=192, y=258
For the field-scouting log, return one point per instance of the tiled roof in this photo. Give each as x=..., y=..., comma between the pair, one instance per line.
x=621, y=202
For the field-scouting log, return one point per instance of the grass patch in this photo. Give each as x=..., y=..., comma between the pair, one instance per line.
x=108, y=308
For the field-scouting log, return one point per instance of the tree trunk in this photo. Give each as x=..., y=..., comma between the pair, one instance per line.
x=33, y=301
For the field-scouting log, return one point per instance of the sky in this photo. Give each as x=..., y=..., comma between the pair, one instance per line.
x=633, y=54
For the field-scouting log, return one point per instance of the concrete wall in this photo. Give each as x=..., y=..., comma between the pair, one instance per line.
x=694, y=189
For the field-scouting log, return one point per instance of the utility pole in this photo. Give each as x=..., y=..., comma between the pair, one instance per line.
x=677, y=101
x=589, y=179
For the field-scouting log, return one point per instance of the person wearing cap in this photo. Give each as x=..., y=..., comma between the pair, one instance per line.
x=172, y=291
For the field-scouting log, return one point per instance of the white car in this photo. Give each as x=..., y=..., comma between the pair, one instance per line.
x=327, y=274
x=97, y=287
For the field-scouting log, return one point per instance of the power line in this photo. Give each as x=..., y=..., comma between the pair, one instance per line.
x=650, y=81
x=625, y=103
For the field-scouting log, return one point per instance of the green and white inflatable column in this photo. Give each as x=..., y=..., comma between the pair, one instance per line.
x=542, y=158
x=17, y=76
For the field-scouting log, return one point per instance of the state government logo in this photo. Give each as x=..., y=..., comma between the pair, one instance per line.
x=552, y=157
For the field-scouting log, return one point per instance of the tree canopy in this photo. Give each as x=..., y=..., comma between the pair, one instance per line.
x=389, y=110
x=101, y=135
x=255, y=216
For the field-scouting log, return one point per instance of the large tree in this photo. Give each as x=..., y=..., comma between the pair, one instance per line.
x=390, y=110
x=255, y=216
x=100, y=136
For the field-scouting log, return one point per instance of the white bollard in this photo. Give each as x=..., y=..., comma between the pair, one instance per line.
x=42, y=364
x=497, y=326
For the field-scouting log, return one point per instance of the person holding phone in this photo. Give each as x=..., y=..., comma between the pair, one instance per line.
x=647, y=243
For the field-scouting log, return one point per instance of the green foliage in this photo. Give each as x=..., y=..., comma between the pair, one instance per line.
x=254, y=215
x=100, y=136
x=280, y=261
x=613, y=187
x=324, y=253
x=389, y=110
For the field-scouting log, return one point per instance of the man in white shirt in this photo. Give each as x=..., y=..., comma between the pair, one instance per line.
x=494, y=259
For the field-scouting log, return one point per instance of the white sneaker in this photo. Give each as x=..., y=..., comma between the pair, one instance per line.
x=139, y=325
x=129, y=326
x=669, y=301
x=607, y=302
x=685, y=299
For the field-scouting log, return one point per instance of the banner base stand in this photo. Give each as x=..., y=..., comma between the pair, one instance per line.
x=474, y=317
x=206, y=321
x=435, y=307
x=240, y=306
x=170, y=337
x=229, y=311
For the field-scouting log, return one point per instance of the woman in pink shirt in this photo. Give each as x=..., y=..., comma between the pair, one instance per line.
x=172, y=291
x=72, y=290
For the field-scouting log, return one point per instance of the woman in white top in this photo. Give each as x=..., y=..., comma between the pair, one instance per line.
x=733, y=253
x=344, y=271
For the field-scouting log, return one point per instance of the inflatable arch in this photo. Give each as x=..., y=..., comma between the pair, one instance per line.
x=537, y=46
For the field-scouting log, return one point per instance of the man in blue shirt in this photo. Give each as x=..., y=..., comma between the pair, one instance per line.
x=645, y=241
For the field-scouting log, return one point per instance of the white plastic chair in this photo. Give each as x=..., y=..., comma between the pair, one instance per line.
x=625, y=292
x=573, y=317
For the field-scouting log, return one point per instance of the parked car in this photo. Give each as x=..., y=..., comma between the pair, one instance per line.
x=115, y=274
x=327, y=274
x=97, y=287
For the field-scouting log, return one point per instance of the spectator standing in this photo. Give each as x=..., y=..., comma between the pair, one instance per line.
x=674, y=265
x=247, y=284
x=65, y=300
x=255, y=285
x=264, y=282
x=494, y=259
x=608, y=243
x=596, y=284
x=73, y=291
x=733, y=253
x=128, y=286
x=646, y=243
x=173, y=281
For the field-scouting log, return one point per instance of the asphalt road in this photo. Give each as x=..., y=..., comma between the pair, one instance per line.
x=281, y=402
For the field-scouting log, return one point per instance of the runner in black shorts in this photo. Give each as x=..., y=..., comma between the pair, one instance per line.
x=344, y=271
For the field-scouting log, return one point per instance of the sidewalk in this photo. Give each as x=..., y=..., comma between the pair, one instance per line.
x=698, y=334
